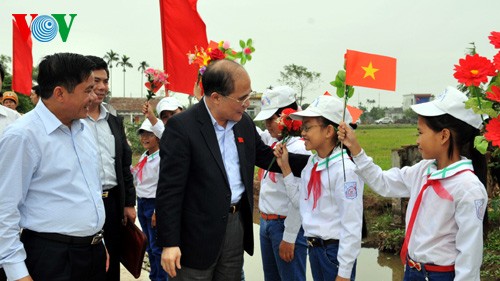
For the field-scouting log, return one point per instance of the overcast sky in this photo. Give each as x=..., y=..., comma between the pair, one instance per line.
x=427, y=37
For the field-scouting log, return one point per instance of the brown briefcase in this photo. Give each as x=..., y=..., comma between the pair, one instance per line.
x=132, y=249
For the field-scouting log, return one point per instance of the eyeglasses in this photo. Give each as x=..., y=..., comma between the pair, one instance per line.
x=307, y=128
x=242, y=102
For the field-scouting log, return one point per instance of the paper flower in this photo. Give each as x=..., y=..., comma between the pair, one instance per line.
x=155, y=80
x=287, y=125
x=474, y=70
x=493, y=132
x=496, y=61
x=494, y=94
x=495, y=39
x=218, y=51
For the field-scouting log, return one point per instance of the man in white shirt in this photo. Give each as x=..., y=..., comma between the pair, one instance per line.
x=115, y=158
x=51, y=188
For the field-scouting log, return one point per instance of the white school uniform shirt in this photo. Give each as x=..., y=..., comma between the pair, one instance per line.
x=273, y=198
x=444, y=232
x=339, y=211
x=150, y=174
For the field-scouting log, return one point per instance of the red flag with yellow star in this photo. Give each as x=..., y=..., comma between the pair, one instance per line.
x=370, y=70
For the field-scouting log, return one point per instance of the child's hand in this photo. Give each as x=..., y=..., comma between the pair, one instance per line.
x=147, y=110
x=348, y=138
x=153, y=220
x=281, y=154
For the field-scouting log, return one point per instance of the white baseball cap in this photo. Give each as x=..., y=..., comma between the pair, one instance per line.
x=330, y=107
x=148, y=127
x=452, y=102
x=167, y=103
x=274, y=99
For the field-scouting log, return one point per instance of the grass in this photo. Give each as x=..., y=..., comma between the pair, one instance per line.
x=378, y=142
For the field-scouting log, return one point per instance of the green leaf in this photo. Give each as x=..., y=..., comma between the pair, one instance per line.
x=243, y=60
x=333, y=83
x=338, y=83
x=249, y=42
x=350, y=91
x=481, y=106
x=341, y=75
x=481, y=144
x=242, y=44
x=340, y=92
x=249, y=57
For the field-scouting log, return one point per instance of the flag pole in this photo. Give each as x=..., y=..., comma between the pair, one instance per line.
x=343, y=120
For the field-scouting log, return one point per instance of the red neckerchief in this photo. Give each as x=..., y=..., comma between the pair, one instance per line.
x=314, y=185
x=441, y=192
x=272, y=175
x=139, y=168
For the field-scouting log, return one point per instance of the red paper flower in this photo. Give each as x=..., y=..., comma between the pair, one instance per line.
x=496, y=61
x=287, y=125
x=217, y=54
x=474, y=70
x=494, y=95
x=493, y=131
x=495, y=39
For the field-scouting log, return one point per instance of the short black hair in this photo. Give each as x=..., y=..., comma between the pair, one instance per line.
x=99, y=63
x=218, y=77
x=36, y=90
x=63, y=69
x=2, y=72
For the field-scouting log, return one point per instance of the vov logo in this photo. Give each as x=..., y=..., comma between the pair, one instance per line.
x=44, y=28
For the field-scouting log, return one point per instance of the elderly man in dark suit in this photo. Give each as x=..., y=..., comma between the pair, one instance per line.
x=205, y=191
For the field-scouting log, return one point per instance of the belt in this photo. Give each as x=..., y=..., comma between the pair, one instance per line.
x=66, y=239
x=105, y=194
x=271, y=217
x=234, y=208
x=430, y=267
x=318, y=242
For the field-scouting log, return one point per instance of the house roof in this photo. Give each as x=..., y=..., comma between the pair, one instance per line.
x=131, y=104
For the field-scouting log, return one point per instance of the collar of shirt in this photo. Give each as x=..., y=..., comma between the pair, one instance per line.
x=103, y=114
x=51, y=122
x=151, y=156
x=326, y=162
x=449, y=171
x=230, y=123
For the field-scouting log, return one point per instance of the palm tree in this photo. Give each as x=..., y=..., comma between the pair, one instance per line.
x=124, y=63
x=142, y=68
x=110, y=58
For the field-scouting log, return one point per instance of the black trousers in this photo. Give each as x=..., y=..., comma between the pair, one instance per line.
x=3, y=277
x=57, y=261
x=112, y=237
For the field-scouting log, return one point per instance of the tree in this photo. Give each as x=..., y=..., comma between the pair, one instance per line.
x=110, y=58
x=142, y=68
x=298, y=77
x=124, y=62
x=5, y=61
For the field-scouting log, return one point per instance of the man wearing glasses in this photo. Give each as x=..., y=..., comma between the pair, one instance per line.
x=205, y=191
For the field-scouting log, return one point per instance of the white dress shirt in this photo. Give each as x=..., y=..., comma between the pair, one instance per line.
x=230, y=157
x=273, y=198
x=106, y=148
x=7, y=117
x=50, y=184
x=339, y=211
x=445, y=232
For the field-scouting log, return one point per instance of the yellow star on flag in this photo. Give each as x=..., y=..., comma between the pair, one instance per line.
x=370, y=71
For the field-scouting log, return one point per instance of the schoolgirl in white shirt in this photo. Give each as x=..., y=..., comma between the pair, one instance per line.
x=447, y=198
x=146, y=174
x=282, y=243
x=331, y=205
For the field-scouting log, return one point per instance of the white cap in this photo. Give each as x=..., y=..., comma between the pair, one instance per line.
x=146, y=126
x=452, y=102
x=274, y=99
x=330, y=107
x=167, y=103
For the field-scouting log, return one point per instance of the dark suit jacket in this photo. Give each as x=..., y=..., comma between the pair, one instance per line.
x=123, y=160
x=193, y=195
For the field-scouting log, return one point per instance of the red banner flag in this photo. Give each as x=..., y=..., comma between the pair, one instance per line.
x=370, y=70
x=182, y=29
x=22, y=58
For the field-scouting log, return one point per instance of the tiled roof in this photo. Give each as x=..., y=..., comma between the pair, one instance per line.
x=131, y=104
